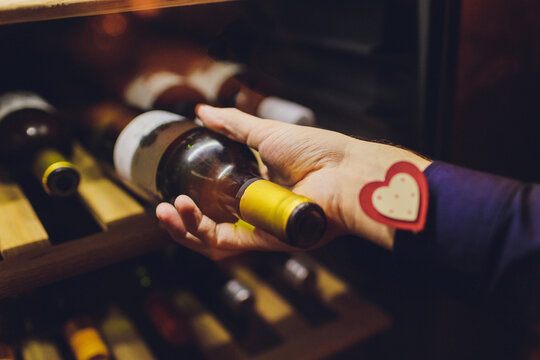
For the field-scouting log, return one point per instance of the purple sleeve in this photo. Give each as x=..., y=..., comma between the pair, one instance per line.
x=478, y=224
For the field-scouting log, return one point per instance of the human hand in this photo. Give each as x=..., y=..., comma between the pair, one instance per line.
x=325, y=166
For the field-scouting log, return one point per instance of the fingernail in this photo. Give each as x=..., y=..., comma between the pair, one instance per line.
x=158, y=212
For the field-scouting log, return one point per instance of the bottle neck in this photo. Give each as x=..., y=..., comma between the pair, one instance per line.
x=58, y=176
x=292, y=218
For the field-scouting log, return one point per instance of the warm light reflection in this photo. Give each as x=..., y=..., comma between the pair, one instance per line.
x=146, y=13
x=114, y=24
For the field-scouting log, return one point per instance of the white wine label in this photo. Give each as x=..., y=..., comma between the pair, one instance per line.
x=142, y=143
x=143, y=91
x=209, y=80
x=15, y=101
x=275, y=108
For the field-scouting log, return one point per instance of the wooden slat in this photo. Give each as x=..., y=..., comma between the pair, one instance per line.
x=137, y=236
x=105, y=200
x=21, y=231
x=15, y=11
x=271, y=306
x=357, y=320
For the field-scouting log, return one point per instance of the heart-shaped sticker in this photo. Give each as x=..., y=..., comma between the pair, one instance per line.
x=400, y=200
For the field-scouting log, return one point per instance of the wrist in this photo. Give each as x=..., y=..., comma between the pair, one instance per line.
x=366, y=162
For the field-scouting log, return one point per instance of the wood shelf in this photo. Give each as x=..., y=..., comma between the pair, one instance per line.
x=16, y=11
x=133, y=237
x=29, y=258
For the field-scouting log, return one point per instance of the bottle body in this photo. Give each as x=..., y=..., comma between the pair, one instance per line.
x=168, y=156
x=30, y=133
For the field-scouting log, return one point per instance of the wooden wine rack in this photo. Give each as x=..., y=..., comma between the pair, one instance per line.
x=357, y=319
x=29, y=259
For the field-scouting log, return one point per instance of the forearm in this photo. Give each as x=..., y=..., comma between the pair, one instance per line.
x=478, y=224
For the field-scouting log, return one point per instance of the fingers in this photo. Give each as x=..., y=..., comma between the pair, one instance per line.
x=187, y=225
x=238, y=125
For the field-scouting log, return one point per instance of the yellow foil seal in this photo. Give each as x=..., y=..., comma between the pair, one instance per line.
x=47, y=161
x=269, y=206
x=87, y=344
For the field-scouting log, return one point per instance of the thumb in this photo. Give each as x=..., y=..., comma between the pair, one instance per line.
x=238, y=125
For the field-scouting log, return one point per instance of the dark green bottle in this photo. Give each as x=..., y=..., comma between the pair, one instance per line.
x=166, y=155
x=33, y=140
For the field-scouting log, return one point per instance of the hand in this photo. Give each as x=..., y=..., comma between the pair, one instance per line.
x=325, y=166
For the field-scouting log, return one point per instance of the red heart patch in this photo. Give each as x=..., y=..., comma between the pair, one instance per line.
x=400, y=200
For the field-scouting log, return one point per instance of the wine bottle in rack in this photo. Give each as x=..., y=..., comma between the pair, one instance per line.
x=211, y=282
x=295, y=278
x=84, y=339
x=99, y=126
x=33, y=140
x=167, y=155
x=175, y=76
x=37, y=345
x=144, y=72
x=147, y=302
x=70, y=310
x=292, y=270
x=230, y=300
x=218, y=82
x=122, y=336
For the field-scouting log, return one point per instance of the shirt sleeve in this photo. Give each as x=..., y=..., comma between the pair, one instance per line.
x=478, y=224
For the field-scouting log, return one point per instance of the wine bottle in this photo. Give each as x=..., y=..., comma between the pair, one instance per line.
x=168, y=155
x=174, y=76
x=39, y=349
x=220, y=82
x=32, y=140
x=145, y=72
x=211, y=282
x=85, y=340
x=39, y=329
x=147, y=301
x=273, y=107
x=122, y=336
x=292, y=270
x=99, y=126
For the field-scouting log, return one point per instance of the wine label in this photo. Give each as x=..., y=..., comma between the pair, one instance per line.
x=144, y=90
x=15, y=101
x=142, y=143
x=275, y=108
x=209, y=80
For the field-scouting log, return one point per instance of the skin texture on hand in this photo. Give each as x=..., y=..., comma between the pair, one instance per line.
x=325, y=166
